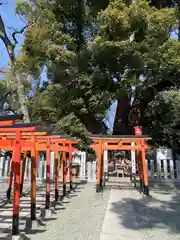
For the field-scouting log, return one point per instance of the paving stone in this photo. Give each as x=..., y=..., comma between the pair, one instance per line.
x=81, y=220
x=132, y=216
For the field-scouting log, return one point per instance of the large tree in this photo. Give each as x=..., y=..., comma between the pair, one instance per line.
x=94, y=53
x=75, y=98
x=135, y=42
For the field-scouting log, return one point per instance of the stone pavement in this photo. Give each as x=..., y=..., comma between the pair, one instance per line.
x=129, y=215
x=81, y=218
x=119, y=213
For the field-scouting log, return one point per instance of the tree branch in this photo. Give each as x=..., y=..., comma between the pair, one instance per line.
x=8, y=44
x=18, y=76
x=9, y=109
x=141, y=102
x=126, y=114
x=3, y=2
x=10, y=93
x=19, y=32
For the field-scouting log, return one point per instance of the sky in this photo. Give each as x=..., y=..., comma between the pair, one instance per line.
x=14, y=21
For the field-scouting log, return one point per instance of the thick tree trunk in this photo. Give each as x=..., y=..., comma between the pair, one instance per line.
x=93, y=125
x=10, y=49
x=22, y=97
x=121, y=122
x=127, y=116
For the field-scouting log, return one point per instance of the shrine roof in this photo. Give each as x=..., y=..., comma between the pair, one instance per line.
x=120, y=136
x=12, y=117
x=22, y=125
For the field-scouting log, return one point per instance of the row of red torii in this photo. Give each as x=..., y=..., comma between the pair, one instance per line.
x=17, y=137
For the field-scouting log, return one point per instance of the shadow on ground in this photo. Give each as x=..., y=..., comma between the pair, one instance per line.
x=25, y=225
x=161, y=211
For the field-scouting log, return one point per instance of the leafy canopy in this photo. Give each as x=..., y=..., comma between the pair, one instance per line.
x=53, y=41
x=93, y=51
x=160, y=117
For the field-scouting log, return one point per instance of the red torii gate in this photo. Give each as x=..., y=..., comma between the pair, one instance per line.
x=18, y=137
x=101, y=143
x=45, y=143
x=15, y=146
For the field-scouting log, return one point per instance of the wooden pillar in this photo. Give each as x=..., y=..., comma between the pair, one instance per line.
x=33, y=182
x=16, y=165
x=48, y=157
x=23, y=171
x=138, y=132
x=105, y=164
x=102, y=171
x=145, y=171
x=70, y=168
x=140, y=170
x=99, y=167
x=133, y=163
x=10, y=179
x=56, y=176
x=64, y=171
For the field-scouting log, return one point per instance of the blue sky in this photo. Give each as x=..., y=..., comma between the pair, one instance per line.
x=14, y=21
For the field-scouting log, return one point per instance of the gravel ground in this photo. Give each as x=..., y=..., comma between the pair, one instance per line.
x=4, y=186
x=82, y=218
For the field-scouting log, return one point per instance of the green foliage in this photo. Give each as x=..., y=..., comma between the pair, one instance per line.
x=22, y=8
x=161, y=115
x=3, y=87
x=71, y=125
x=79, y=92
x=151, y=29
x=93, y=51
